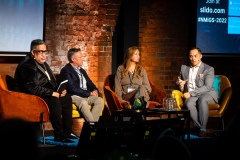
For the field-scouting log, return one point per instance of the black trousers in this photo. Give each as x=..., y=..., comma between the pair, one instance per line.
x=60, y=114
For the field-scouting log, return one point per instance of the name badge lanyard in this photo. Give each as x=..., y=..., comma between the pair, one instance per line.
x=46, y=72
x=131, y=78
x=81, y=79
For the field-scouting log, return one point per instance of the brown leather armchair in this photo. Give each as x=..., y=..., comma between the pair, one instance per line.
x=156, y=96
x=20, y=105
x=30, y=107
x=216, y=110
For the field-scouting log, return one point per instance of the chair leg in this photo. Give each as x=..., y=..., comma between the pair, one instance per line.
x=42, y=127
x=223, y=127
x=43, y=133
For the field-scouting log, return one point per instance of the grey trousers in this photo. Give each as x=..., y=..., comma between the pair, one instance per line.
x=199, y=109
x=82, y=106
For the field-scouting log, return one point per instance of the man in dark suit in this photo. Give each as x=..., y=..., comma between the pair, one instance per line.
x=83, y=90
x=196, y=81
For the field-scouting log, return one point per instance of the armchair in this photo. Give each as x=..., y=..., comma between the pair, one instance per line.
x=20, y=105
x=75, y=112
x=30, y=107
x=216, y=110
x=78, y=119
x=156, y=96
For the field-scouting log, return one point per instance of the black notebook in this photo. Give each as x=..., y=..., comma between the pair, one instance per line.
x=62, y=86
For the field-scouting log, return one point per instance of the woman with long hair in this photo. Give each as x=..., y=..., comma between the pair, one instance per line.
x=129, y=76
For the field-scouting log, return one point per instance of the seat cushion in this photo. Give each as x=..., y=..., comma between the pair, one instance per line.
x=177, y=94
x=213, y=106
x=217, y=85
x=75, y=113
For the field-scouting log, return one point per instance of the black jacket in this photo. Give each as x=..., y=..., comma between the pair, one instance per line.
x=73, y=88
x=30, y=78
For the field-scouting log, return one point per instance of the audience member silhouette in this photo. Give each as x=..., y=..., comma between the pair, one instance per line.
x=229, y=139
x=171, y=147
x=18, y=140
x=55, y=156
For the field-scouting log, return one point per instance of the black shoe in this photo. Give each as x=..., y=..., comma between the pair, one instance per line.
x=195, y=131
x=72, y=136
x=62, y=139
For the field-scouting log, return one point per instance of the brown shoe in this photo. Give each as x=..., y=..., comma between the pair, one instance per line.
x=210, y=133
x=202, y=134
x=207, y=133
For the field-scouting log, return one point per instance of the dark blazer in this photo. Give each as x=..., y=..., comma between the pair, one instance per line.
x=203, y=84
x=31, y=78
x=73, y=88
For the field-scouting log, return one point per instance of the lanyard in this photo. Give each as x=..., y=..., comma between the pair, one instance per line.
x=80, y=77
x=130, y=77
x=44, y=69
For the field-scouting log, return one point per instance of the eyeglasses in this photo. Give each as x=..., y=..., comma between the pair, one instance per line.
x=41, y=52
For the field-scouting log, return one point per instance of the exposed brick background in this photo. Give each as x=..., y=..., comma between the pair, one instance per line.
x=163, y=37
x=88, y=25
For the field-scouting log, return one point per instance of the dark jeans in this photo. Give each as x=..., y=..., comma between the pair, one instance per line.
x=60, y=114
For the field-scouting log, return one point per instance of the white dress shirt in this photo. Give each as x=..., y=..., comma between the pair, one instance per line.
x=192, y=77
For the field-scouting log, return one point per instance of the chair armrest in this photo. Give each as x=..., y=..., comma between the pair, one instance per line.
x=178, y=95
x=157, y=94
x=225, y=99
x=112, y=99
x=106, y=113
x=21, y=105
x=100, y=94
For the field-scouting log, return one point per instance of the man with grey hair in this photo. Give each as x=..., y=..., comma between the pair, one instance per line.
x=84, y=92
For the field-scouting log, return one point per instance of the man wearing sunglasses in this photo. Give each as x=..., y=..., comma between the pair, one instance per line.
x=34, y=76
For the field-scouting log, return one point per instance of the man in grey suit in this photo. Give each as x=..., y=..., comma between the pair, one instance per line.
x=195, y=81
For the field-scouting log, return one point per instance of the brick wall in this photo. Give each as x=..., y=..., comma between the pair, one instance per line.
x=88, y=25
x=7, y=68
x=163, y=37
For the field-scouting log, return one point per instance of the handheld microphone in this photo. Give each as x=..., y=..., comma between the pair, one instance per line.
x=179, y=75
